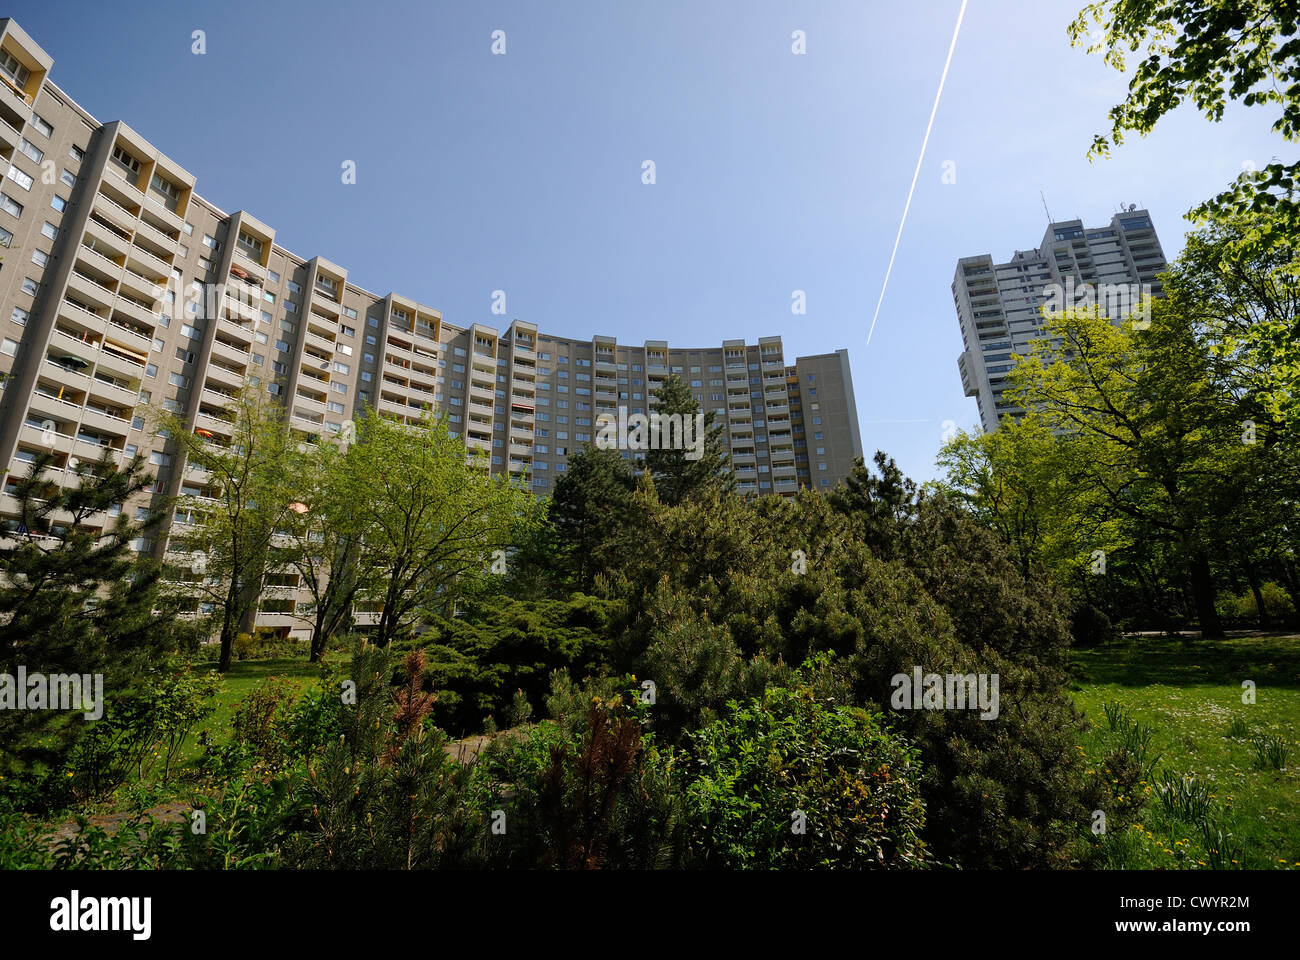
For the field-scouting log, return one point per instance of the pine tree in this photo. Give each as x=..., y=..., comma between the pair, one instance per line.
x=679, y=478
x=76, y=597
x=592, y=511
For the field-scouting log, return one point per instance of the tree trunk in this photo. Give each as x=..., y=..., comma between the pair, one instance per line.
x=227, y=649
x=1202, y=584
x=1252, y=576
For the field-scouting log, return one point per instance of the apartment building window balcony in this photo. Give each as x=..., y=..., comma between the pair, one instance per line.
x=236, y=332
x=150, y=262
x=124, y=178
x=325, y=306
x=326, y=344
x=10, y=136
x=114, y=213
x=148, y=290
x=163, y=223
x=328, y=287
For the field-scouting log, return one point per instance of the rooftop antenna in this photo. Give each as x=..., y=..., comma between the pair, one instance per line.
x=1045, y=210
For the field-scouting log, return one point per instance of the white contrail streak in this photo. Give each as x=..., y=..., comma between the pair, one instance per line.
x=919, y=160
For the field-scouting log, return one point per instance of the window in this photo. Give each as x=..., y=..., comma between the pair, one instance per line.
x=211, y=242
x=40, y=258
x=19, y=316
x=23, y=180
x=334, y=406
x=178, y=380
x=273, y=276
x=125, y=159
x=59, y=203
x=6, y=238
x=339, y=387
x=189, y=332
x=10, y=205
x=249, y=245
x=189, y=229
x=13, y=69
x=348, y=331
x=31, y=150
x=30, y=286
x=268, y=296
x=9, y=347
x=165, y=187
x=41, y=124
x=76, y=153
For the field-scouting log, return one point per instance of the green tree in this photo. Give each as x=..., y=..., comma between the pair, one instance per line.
x=1208, y=52
x=434, y=523
x=681, y=473
x=248, y=489
x=76, y=597
x=593, y=513
x=1149, y=432
x=325, y=534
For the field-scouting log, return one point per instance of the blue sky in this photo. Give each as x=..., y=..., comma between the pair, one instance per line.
x=775, y=172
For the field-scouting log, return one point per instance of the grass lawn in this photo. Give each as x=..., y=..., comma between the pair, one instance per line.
x=239, y=681
x=1189, y=692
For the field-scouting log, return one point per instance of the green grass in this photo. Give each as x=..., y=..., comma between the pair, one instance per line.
x=1190, y=694
x=240, y=680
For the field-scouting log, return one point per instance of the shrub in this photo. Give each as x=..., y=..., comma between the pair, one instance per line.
x=587, y=790
x=788, y=780
x=1090, y=626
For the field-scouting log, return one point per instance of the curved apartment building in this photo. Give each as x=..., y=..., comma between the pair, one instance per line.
x=121, y=285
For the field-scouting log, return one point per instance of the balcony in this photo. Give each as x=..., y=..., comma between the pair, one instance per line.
x=237, y=309
x=106, y=422
x=229, y=380
x=134, y=311
x=245, y=262
x=216, y=399
x=9, y=135
x=114, y=393
x=149, y=264
x=235, y=331
x=116, y=214
x=105, y=240
x=38, y=435
x=309, y=404
x=231, y=353
x=88, y=291
x=50, y=405
x=94, y=452
x=150, y=290
x=320, y=343
x=119, y=362
x=325, y=303
x=214, y=424
x=170, y=222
